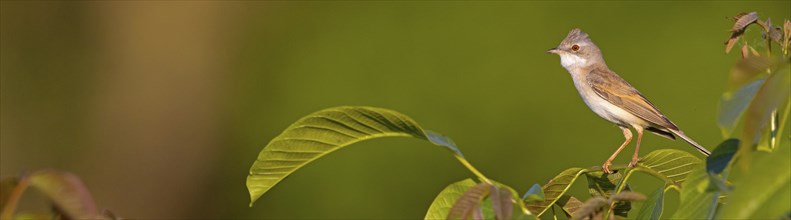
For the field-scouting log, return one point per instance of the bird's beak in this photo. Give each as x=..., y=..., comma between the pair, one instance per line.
x=553, y=50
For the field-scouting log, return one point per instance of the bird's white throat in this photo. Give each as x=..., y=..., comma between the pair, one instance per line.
x=572, y=60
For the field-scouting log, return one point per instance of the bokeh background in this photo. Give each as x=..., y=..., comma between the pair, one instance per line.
x=161, y=107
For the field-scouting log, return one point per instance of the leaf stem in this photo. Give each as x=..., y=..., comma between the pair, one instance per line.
x=782, y=123
x=716, y=197
x=619, y=188
x=472, y=168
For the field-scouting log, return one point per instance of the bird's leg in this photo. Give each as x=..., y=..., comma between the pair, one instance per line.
x=626, y=134
x=635, y=158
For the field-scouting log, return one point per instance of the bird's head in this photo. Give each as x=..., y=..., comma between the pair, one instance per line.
x=577, y=50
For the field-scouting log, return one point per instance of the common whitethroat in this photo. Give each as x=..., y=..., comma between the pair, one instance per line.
x=611, y=97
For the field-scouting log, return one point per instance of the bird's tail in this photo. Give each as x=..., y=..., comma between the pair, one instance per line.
x=690, y=141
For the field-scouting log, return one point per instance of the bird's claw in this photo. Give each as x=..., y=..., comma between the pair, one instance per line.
x=634, y=161
x=606, y=168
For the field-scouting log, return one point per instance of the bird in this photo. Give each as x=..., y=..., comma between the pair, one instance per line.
x=611, y=97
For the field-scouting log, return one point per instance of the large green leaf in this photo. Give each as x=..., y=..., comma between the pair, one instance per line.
x=652, y=208
x=773, y=94
x=554, y=189
x=669, y=164
x=732, y=105
x=721, y=156
x=325, y=131
x=764, y=192
x=695, y=200
x=444, y=201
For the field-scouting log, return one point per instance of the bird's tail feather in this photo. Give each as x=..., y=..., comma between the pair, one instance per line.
x=691, y=142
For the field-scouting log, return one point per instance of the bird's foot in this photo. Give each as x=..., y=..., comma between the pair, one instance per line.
x=606, y=167
x=634, y=161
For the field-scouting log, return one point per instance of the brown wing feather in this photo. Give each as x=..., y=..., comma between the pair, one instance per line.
x=611, y=87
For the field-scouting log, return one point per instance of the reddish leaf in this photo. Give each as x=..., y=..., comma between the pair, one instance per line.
x=466, y=205
x=501, y=203
x=743, y=20
x=731, y=42
x=745, y=52
x=6, y=188
x=591, y=209
x=67, y=192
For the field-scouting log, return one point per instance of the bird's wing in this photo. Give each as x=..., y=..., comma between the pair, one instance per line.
x=611, y=87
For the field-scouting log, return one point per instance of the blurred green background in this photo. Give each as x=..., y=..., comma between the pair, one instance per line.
x=161, y=107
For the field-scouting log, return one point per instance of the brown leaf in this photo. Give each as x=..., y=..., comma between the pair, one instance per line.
x=591, y=208
x=477, y=213
x=465, y=206
x=763, y=25
x=67, y=192
x=773, y=33
x=570, y=205
x=737, y=16
x=501, y=202
x=628, y=196
x=743, y=20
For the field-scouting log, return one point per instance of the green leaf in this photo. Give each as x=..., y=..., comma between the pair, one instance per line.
x=501, y=202
x=554, y=189
x=535, y=194
x=773, y=93
x=67, y=192
x=470, y=201
x=486, y=209
x=695, y=201
x=721, y=156
x=652, y=208
x=444, y=201
x=325, y=131
x=764, y=192
x=601, y=184
x=733, y=104
x=672, y=164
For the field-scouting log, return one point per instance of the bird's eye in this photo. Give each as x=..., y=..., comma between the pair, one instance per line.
x=575, y=47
